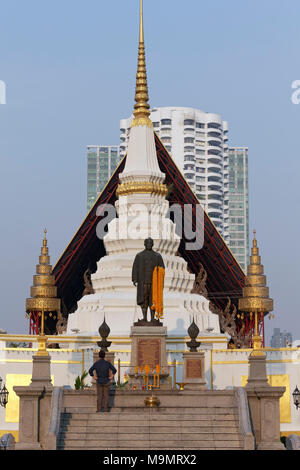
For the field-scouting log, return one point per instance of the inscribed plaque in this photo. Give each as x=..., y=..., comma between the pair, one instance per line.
x=193, y=369
x=148, y=352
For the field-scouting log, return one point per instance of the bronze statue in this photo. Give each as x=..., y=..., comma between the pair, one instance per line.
x=142, y=276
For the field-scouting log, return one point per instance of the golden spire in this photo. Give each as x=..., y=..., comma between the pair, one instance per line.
x=256, y=298
x=141, y=108
x=43, y=292
x=255, y=293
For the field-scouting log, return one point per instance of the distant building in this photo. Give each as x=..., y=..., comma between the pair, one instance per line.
x=238, y=205
x=197, y=142
x=102, y=161
x=281, y=339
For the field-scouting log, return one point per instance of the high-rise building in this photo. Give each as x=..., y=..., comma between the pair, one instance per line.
x=102, y=161
x=197, y=142
x=281, y=339
x=238, y=206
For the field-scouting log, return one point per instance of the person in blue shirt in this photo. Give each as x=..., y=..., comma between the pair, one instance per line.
x=104, y=373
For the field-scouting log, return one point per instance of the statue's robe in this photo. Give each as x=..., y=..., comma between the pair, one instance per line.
x=142, y=270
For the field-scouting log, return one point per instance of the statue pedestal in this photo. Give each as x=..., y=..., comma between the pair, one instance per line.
x=148, y=347
x=194, y=370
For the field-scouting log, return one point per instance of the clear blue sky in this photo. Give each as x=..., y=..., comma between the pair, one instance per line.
x=69, y=68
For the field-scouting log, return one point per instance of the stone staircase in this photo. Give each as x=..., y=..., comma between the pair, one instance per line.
x=203, y=427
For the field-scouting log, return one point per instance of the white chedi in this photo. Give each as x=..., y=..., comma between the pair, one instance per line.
x=140, y=216
x=142, y=213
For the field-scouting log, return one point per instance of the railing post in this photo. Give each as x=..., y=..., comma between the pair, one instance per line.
x=119, y=372
x=174, y=376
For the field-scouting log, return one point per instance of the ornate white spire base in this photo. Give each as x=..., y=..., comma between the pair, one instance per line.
x=140, y=216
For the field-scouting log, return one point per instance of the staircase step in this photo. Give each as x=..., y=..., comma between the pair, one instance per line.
x=163, y=410
x=163, y=428
x=141, y=417
x=121, y=444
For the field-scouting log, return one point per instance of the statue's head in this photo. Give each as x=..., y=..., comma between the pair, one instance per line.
x=148, y=243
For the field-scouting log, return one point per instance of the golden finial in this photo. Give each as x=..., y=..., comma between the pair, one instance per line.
x=43, y=292
x=141, y=108
x=255, y=293
x=254, y=239
x=141, y=22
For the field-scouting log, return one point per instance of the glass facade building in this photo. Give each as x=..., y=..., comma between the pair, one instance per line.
x=238, y=205
x=102, y=160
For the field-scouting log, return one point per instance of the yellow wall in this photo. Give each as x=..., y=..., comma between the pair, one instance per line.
x=14, y=433
x=12, y=407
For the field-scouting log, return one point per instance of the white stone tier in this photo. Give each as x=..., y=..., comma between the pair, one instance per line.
x=141, y=160
x=115, y=295
x=121, y=312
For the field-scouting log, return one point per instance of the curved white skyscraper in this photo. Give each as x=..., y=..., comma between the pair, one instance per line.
x=197, y=141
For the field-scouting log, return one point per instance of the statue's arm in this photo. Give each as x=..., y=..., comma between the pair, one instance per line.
x=161, y=261
x=135, y=270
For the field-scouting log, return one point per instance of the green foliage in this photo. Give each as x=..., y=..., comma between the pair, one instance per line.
x=283, y=440
x=17, y=345
x=79, y=382
x=120, y=385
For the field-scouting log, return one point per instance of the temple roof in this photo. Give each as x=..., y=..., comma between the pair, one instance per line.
x=225, y=278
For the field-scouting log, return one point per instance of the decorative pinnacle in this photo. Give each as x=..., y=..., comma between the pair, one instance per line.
x=193, y=332
x=255, y=293
x=104, y=331
x=254, y=239
x=141, y=108
x=43, y=291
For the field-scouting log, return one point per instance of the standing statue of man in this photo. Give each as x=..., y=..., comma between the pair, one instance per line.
x=143, y=267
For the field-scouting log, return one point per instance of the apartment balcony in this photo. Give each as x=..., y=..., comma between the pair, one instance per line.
x=189, y=132
x=212, y=177
x=215, y=186
x=214, y=204
x=189, y=176
x=189, y=159
x=216, y=213
x=213, y=150
x=217, y=159
x=217, y=193
x=214, y=167
x=218, y=141
x=214, y=134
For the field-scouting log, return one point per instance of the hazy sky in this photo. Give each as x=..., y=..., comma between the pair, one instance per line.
x=69, y=68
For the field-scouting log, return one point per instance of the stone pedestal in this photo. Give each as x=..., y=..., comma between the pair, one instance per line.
x=194, y=370
x=264, y=404
x=41, y=372
x=148, y=347
x=109, y=356
x=257, y=371
x=35, y=406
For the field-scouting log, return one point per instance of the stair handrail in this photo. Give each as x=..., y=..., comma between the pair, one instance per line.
x=55, y=415
x=246, y=428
